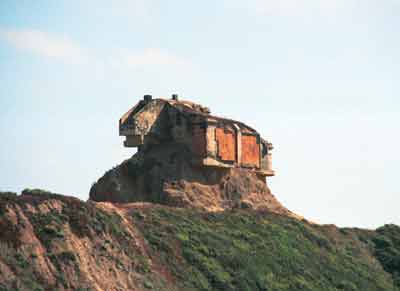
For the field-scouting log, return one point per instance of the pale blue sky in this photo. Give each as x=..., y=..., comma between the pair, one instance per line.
x=320, y=79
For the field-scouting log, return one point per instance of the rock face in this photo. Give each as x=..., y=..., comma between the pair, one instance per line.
x=164, y=174
x=53, y=242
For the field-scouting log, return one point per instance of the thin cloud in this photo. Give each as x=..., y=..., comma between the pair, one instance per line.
x=53, y=46
x=149, y=57
x=46, y=45
x=304, y=7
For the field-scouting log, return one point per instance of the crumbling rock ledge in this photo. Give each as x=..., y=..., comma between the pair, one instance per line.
x=165, y=174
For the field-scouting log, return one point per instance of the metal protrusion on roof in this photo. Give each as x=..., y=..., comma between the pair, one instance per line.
x=147, y=98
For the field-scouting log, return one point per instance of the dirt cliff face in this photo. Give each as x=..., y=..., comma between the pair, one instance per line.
x=165, y=175
x=53, y=242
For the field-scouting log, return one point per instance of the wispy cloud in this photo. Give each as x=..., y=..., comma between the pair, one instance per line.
x=44, y=44
x=303, y=7
x=58, y=47
x=149, y=57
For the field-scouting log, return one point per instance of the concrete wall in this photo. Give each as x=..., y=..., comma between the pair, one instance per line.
x=198, y=141
x=214, y=141
x=147, y=125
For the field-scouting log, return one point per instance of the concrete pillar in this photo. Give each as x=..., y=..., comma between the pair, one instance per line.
x=269, y=162
x=238, y=144
x=211, y=141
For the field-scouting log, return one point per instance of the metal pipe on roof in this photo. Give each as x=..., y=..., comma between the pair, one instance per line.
x=147, y=98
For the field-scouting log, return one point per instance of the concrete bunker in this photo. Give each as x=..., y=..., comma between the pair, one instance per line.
x=213, y=141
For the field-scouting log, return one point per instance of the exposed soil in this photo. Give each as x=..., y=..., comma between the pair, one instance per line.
x=54, y=242
x=165, y=175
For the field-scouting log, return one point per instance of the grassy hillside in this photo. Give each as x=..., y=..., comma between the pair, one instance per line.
x=243, y=250
x=52, y=242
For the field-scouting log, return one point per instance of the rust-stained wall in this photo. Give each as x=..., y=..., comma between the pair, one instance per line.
x=250, y=151
x=213, y=141
x=199, y=141
x=226, y=141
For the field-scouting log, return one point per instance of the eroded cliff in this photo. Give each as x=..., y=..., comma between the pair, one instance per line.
x=166, y=175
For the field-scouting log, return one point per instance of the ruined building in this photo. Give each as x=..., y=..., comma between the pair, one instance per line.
x=213, y=141
x=188, y=157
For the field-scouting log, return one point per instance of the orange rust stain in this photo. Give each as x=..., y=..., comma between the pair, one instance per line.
x=250, y=151
x=199, y=141
x=226, y=144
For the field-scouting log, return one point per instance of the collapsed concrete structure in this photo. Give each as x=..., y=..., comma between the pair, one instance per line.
x=189, y=158
x=214, y=141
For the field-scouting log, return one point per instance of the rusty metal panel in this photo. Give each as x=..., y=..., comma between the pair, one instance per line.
x=199, y=146
x=250, y=151
x=226, y=141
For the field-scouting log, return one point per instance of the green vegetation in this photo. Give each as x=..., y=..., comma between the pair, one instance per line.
x=4, y=198
x=65, y=258
x=245, y=250
x=51, y=228
x=22, y=268
x=48, y=226
x=232, y=250
x=7, y=195
x=28, y=191
x=387, y=249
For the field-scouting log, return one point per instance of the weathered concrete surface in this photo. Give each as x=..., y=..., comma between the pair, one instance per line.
x=214, y=141
x=165, y=175
x=199, y=143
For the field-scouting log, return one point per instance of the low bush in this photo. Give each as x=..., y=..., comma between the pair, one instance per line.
x=387, y=250
x=247, y=250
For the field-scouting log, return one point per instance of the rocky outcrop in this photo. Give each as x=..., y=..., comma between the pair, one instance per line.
x=165, y=174
x=54, y=242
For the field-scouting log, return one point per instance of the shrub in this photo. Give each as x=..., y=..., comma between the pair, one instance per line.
x=387, y=250
x=48, y=226
x=247, y=250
